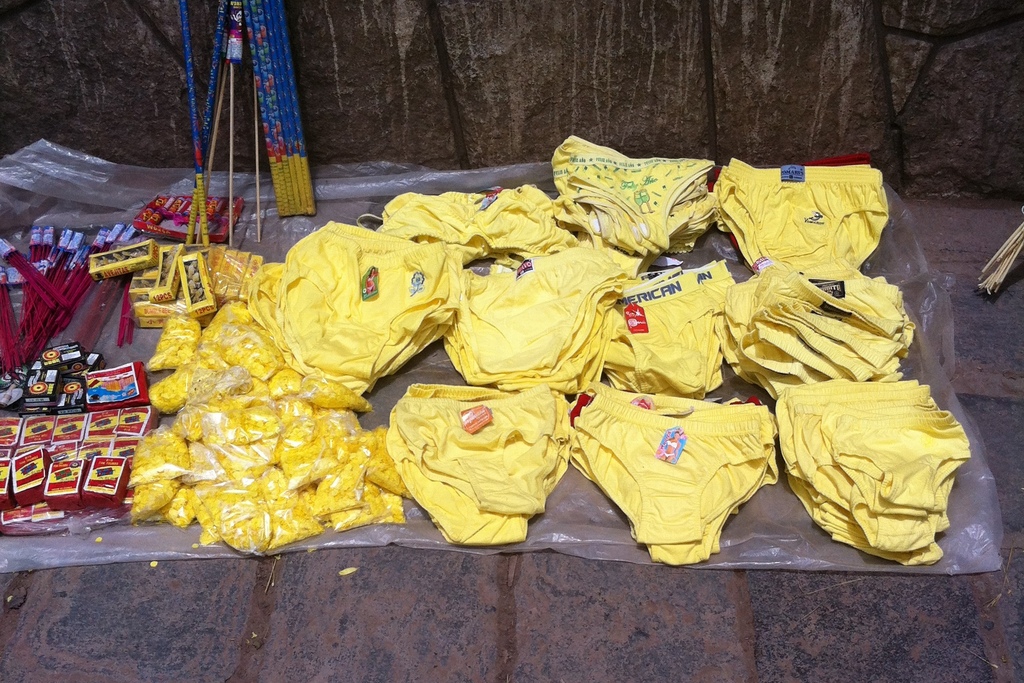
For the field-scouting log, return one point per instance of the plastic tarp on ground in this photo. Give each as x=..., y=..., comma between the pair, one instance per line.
x=51, y=185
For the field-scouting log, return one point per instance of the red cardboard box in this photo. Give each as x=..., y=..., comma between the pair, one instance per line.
x=63, y=489
x=28, y=476
x=107, y=482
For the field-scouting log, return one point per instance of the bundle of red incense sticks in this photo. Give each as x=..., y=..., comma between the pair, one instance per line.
x=55, y=281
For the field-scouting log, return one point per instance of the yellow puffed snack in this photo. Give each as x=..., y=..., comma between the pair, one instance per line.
x=380, y=468
x=181, y=511
x=381, y=508
x=290, y=518
x=150, y=499
x=238, y=513
x=324, y=393
x=161, y=455
x=177, y=344
x=284, y=383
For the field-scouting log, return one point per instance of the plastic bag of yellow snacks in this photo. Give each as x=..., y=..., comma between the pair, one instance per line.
x=177, y=344
x=325, y=393
x=238, y=514
x=240, y=426
x=251, y=348
x=380, y=507
x=161, y=455
x=303, y=453
x=291, y=518
x=380, y=469
x=150, y=499
x=169, y=394
x=181, y=511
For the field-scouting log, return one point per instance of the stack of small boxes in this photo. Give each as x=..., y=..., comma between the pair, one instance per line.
x=73, y=446
x=194, y=281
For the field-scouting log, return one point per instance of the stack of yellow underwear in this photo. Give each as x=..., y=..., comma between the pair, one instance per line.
x=785, y=328
x=802, y=215
x=873, y=464
x=678, y=510
x=666, y=337
x=508, y=225
x=546, y=323
x=480, y=488
x=640, y=206
x=355, y=304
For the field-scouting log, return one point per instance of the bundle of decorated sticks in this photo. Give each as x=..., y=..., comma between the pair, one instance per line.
x=996, y=270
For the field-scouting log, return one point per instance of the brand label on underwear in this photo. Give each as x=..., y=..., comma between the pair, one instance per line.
x=526, y=267
x=645, y=402
x=489, y=196
x=663, y=292
x=636, y=319
x=371, y=284
x=762, y=263
x=672, y=444
x=476, y=418
x=792, y=174
x=834, y=288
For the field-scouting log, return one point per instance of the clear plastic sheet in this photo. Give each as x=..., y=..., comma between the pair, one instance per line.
x=48, y=184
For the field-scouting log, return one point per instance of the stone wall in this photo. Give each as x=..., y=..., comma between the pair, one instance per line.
x=933, y=89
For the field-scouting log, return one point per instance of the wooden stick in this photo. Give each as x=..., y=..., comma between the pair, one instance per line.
x=216, y=126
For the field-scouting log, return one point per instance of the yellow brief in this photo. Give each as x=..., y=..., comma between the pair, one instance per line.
x=665, y=337
x=355, y=304
x=821, y=215
x=785, y=328
x=546, y=323
x=502, y=224
x=482, y=488
x=873, y=464
x=641, y=206
x=677, y=510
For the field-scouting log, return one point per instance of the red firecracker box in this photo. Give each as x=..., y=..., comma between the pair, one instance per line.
x=136, y=421
x=10, y=431
x=107, y=482
x=28, y=476
x=64, y=484
x=37, y=430
x=120, y=387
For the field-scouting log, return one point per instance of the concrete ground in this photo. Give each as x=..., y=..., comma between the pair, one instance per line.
x=409, y=615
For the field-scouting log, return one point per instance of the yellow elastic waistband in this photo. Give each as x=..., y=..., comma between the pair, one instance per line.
x=812, y=174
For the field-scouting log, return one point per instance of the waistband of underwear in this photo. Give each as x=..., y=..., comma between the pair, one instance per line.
x=460, y=398
x=700, y=422
x=674, y=285
x=930, y=418
x=663, y=402
x=385, y=250
x=812, y=174
x=851, y=392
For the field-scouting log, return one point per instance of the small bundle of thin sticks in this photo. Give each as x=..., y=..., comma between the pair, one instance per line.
x=995, y=271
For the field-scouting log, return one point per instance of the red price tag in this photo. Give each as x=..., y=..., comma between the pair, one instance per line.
x=636, y=319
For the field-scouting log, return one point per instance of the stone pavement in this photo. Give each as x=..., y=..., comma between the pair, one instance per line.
x=410, y=615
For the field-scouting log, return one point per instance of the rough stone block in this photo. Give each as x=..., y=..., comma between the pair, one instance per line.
x=583, y=620
x=845, y=627
x=1011, y=606
x=906, y=57
x=405, y=615
x=370, y=82
x=529, y=73
x=944, y=17
x=963, y=127
x=92, y=80
x=179, y=621
x=795, y=82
